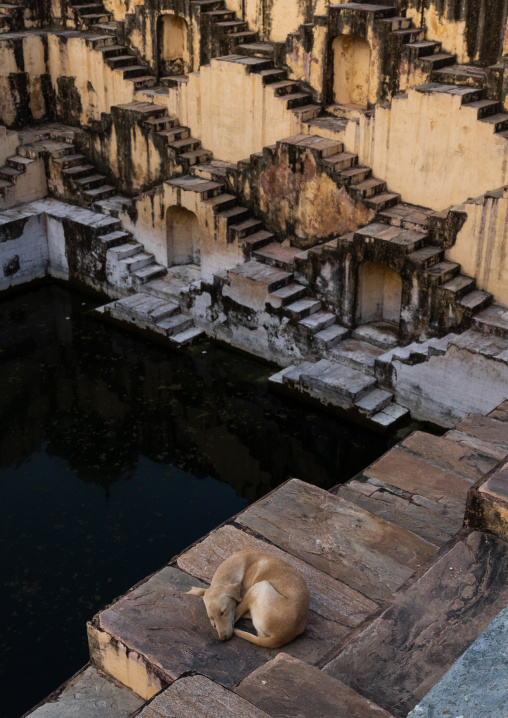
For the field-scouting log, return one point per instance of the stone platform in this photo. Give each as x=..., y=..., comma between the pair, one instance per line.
x=399, y=590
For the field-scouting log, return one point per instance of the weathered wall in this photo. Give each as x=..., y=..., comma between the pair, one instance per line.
x=481, y=244
x=25, y=87
x=297, y=198
x=472, y=29
x=474, y=383
x=24, y=254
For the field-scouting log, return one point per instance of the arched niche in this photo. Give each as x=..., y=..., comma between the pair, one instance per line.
x=183, y=235
x=351, y=70
x=173, y=45
x=379, y=294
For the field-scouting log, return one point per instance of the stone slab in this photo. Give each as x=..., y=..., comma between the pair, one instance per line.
x=156, y=633
x=197, y=696
x=449, y=455
x=476, y=686
x=288, y=688
x=485, y=428
x=89, y=694
x=329, y=598
x=341, y=539
x=416, y=476
x=500, y=412
x=431, y=526
x=425, y=627
x=484, y=447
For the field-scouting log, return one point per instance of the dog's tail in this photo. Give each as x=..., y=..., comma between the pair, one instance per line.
x=268, y=642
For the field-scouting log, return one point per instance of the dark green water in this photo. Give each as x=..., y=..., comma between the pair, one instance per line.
x=115, y=454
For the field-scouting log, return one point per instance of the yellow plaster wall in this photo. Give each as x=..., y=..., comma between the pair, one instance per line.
x=481, y=245
x=232, y=112
x=427, y=148
x=308, y=66
x=120, y=8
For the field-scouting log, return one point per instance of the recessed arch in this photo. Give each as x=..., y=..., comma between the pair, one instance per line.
x=183, y=236
x=173, y=45
x=379, y=294
x=351, y=70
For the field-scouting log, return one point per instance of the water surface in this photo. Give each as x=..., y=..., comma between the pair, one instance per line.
x=115, y=454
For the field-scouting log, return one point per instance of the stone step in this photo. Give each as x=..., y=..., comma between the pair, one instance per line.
x=18, y=162
x=374, y=402
x=286, y=687
x=307, y=112
x=158, y=124
x=122, y=251
x=329, y=337
x=184, y=145
x=341, y=161
x=437, y=60
x=442, y=272
x=368, y=188
x=382, y=335
x=426, y=257
x=284, y=87
x=250, y=283
x=78, y=170
x=277, y=255
x=493, y=320
x=10, y=174
x=272, y=75
x=458, y=286
x=137, y=261
x=382, y=201
x=113, y=205
x=195, y=157
x=221, y=202
x=476, y=301
x=295, y=99
x=141, y=82
x=116, y=239
x=336, y=384
x=461, y=75
x=427, y=625
x=175, y=324
x=95, y=193
x=483, y=108
x=408, y=240
x=405, y=215
x=173, y=134
x=399, y=508
x=355, y=175
x=302, y=308
x=89, y=181
x=316, y=322
x=442, y=489
x=423, y=48
x=245, y=228
x=69, y=161
x=356, y=354
x=396, y=23
x=338, y=538
x=204, y=188
x=90, y=694
x=498, y=121
x=390, y=416
x=146, y=274
x=256, y=49
x=254, y=241
x=286, y=295
x=187, y=337
x=193, y=696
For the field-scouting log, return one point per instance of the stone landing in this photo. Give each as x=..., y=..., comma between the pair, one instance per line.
x=399, y=590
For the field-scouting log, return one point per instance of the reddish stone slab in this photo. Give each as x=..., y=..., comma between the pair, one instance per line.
x=416, y=476
x=424, y=629
x=329, y=598
x=172, y=635
x=365, y=552
x=288, y=688
x=485, y=428
x=199, y=697
x=484, y=447
x=449, y=455
x=500, y=412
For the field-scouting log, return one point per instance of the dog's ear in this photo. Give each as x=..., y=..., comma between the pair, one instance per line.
x=195, y=591
x=234, y=591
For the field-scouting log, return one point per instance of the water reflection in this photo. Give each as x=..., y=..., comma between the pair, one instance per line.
x=115, y=455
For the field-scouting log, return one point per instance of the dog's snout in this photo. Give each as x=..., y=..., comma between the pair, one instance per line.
x=223, y=638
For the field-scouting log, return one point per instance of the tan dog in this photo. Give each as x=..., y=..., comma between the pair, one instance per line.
x=262, y=586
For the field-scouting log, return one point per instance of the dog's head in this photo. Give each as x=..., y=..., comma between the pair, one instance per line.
x=220, y=603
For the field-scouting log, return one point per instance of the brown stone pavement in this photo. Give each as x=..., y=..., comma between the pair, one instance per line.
x=398, y=591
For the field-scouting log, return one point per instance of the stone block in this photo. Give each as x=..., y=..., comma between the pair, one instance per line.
x=89, y=694
x=362, y=550
x=286, y=687
x=199, y=696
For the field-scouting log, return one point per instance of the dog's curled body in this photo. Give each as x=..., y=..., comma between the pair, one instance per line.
x=263, y=586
